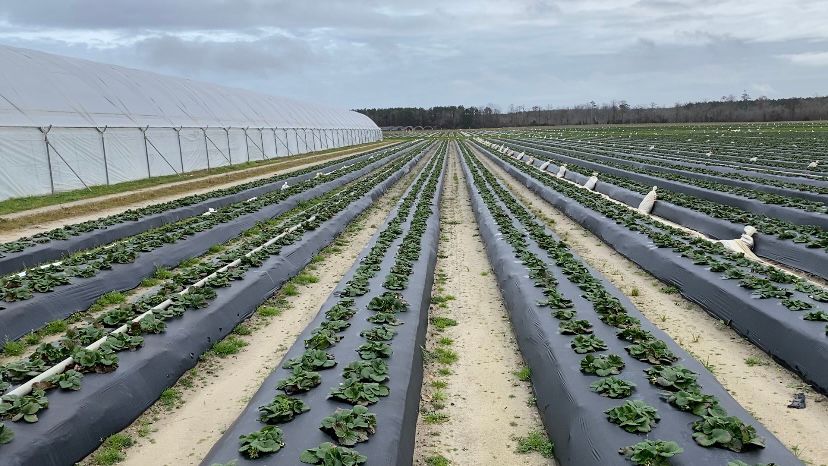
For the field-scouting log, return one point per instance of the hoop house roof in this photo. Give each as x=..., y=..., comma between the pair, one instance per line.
x=42, y=89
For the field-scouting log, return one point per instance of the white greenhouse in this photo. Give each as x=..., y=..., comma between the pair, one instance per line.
x=67, y=124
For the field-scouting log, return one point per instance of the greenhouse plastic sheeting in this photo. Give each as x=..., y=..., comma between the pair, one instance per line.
x=571, y=412
x=393, y=443
x=798, y=344
x=77, y=422
x=789, y=253
x=74, y=105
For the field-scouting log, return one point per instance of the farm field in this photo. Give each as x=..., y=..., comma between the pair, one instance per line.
x=644, y=295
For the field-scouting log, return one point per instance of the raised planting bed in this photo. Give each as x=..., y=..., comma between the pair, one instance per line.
x=76, y=421
x=372, y=327
x=47, y=294
x=608, y=383
x=779, y=313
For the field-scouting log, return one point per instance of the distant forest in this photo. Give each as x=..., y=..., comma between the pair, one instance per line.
x=729, y=108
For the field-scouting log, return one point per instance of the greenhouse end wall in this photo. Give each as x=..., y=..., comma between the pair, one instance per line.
x=37, y=161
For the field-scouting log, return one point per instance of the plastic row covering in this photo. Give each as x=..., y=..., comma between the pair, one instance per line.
x=768, y=246
x=55, y=249
x=76, y=422
x=796, y=216
x=21, y=317
x=393, y=442
x=745, y=169
x=571, y=412
x=77, y=158
x=793, y=341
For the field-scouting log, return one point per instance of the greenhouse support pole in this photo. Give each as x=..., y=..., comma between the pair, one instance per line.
x=229, y=153
x=247, y=143
x=206, y=148
x=261, y=139
x=305, y=138
x=296, y=138
x=146, y=150
x=103, y=149
x=180, y=152
x=48, y=157
x=287, y=142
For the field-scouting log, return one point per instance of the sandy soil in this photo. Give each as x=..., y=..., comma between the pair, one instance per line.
x=184, y=435
x=487, y=406
x=60, y=215
x=762, y=386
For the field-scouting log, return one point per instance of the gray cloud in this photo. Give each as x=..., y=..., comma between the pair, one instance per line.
x=394, y=52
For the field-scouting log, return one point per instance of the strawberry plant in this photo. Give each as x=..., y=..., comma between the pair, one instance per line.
x=341, y=310
x=603, y=365
x=389, y=318
x=653, y=351
x=335, y=325
x=395, y=282
x=375, y=370
x=613, y=387
x=692, y=400
x=98, y=360
x=321, y=339
x=563, y=314
x=379, y=333
x=726, y=432
x=282, y=408
x=266, y=441
x=388, y=302
x=123, y=341
x=575, y=327
x=359, y=393
x=671, y=377
x=26, y=407
x=817, y=315
x=350, y=426
x=69, y=380
x=587, y=344
x=312, y=360
x=299, y=381
x=374, y=350
x=6, y=434
x=634, y=416
x=328, y=454
x=651, y=452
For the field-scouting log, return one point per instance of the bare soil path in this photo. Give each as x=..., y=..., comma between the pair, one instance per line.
x=473, y=409
x=761, y=385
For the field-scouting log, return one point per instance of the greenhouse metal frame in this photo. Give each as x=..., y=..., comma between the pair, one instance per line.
x=70, y=124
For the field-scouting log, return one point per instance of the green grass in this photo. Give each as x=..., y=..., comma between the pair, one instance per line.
x=268, y=311
x=445, y=341
x=108, y=299
x=524, y=374
x=442, y=300
x=535, y=442
x=148, y=282
x=54, y=327
x=669, y=289
x=445, y=356
x=290, y=289
x=305, y=279
x=32, y=338
x=437, y=460
x=162, y=273
x=170, y=398
x=435, y=417
x=112, y=450
x=441, y=323
x=229, y=346
x=242, y=329
x=439, y=384
x=14, y=348
x=755, y=361
x=216, y=248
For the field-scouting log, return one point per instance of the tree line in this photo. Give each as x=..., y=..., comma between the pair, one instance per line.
x=727, y=109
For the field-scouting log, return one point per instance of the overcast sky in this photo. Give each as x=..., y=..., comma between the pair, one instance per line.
x=367, y=53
